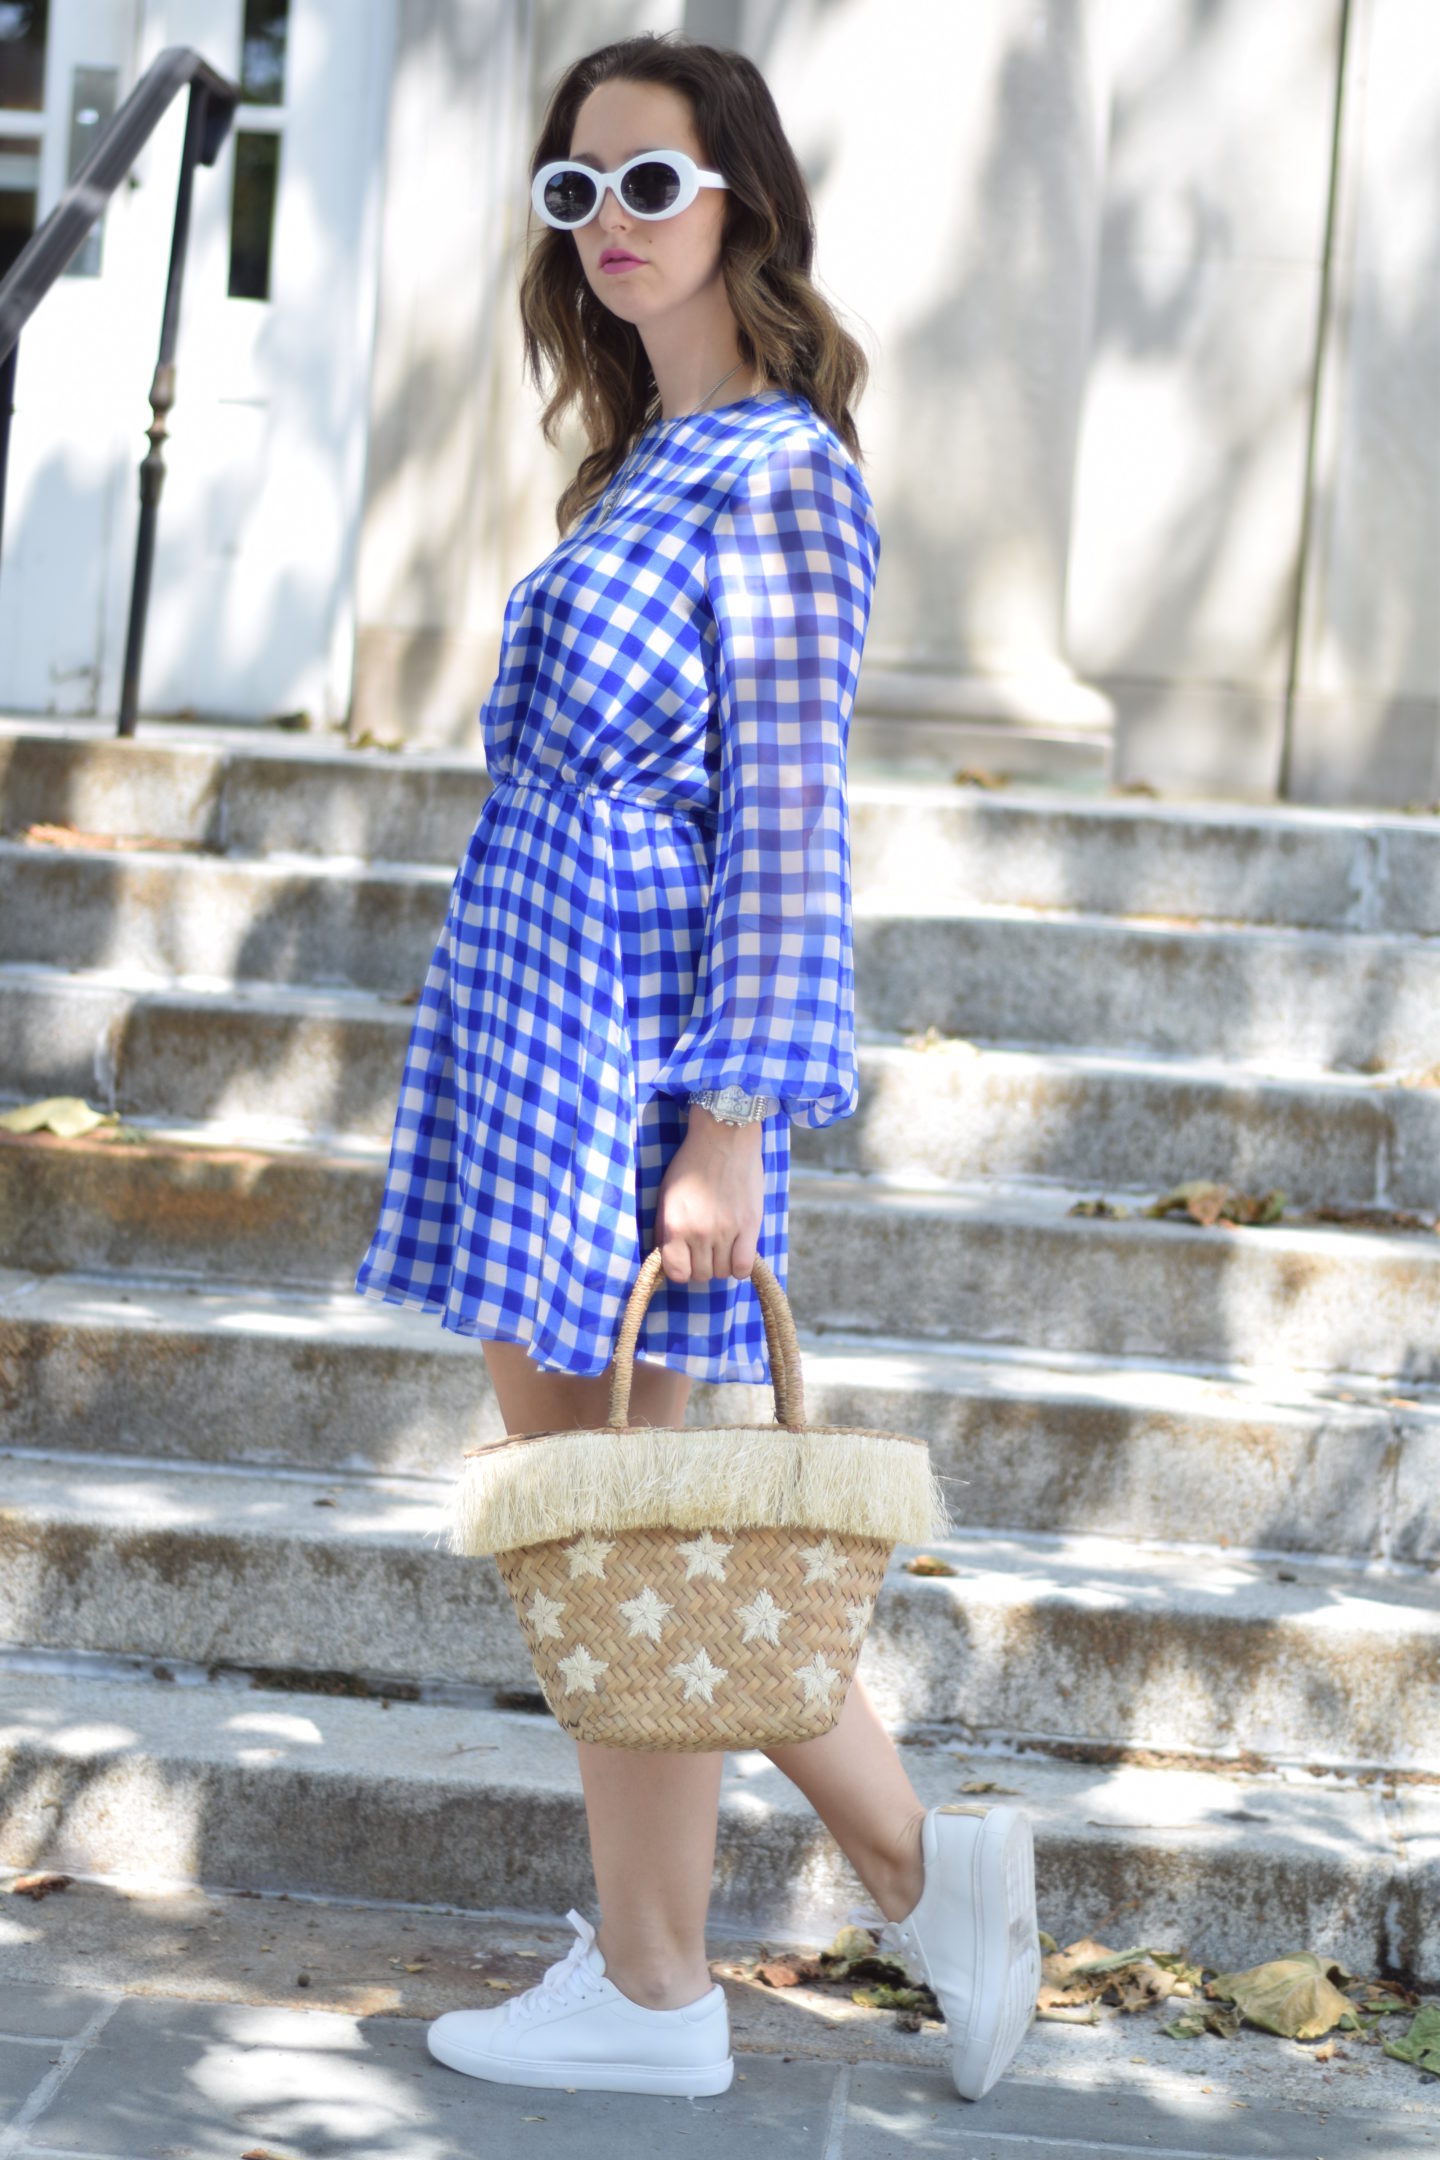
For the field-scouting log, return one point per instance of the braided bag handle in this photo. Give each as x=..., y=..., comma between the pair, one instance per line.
x=779, y=1340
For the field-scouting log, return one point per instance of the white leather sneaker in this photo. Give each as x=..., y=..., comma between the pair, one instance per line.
x=975, y=1937
x=576, y=2028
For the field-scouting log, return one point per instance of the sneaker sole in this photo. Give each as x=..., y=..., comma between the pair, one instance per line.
x=1004, y=1887
x=686, y=2084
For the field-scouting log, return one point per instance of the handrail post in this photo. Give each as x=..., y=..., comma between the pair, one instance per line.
x=162, y=398
x=7, y=407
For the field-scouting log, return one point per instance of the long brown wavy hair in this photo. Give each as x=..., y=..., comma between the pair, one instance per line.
x=597, y=362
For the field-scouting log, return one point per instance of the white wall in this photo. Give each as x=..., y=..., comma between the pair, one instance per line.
x=1091, y=429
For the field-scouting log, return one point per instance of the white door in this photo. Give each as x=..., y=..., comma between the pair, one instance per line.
x=80, y=369
x=252, y=609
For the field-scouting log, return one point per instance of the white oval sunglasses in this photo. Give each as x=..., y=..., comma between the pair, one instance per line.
x=656, y=184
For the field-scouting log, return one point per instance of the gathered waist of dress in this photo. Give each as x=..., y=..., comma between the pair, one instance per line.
x=565, y=781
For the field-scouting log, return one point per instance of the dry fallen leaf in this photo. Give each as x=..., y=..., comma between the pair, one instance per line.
x=69, y=836
x=1295, y=1997
x=1369, y=1218
x=886, y=1996
x=39, y=1886
x=926, y=1564
x=67, y=1116
x=851, y=1943
x=853, y=1966
x=1382, y=1997
x=1131, y=1979
x=1106, y=1210
x=983, y=1785
x=1421, y=2045
x=63, y=836
x=1207, y=1203
x=1221, y=2019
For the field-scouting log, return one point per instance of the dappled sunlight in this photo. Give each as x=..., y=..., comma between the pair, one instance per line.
x=77, y=1792
x=79, y=1742
x=278, y=1725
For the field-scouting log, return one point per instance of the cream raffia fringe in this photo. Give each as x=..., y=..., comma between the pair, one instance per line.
x=534, y=1488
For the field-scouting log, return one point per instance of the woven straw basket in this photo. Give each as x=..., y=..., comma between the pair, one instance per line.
x=685, y=1589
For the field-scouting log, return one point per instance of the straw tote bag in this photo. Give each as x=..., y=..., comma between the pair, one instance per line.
x=688, y=1589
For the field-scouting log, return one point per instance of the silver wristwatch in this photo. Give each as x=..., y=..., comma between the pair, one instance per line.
x=732, y=1106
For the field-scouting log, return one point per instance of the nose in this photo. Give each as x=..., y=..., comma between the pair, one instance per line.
x=611, y=208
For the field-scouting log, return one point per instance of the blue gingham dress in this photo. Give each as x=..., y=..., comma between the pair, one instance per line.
x=656, y=898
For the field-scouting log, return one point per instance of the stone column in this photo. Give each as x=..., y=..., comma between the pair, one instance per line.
x=955, y=158
x=1366, y=720
x=1191, y=481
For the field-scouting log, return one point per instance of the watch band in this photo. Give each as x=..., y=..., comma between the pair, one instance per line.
x=732, y=1106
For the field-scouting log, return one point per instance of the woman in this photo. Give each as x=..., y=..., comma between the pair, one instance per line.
x=646, y=974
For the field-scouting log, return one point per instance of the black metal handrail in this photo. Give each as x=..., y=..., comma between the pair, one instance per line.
x=55, y=243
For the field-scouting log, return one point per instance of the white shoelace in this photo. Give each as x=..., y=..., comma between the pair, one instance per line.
x=567, y=1981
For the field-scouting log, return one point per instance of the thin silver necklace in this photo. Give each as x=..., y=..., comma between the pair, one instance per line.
x=608, y=499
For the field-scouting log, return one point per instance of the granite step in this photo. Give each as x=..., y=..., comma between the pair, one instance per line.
x=434, y=1804
x=330, y=1061
x=987, y=1262
x=1348, y=1000
x=1020, y=846
x=1095, y=1639
x=1140, y=1448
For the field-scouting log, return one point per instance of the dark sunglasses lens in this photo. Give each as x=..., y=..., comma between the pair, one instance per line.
x=650, y=188
x=570, y=195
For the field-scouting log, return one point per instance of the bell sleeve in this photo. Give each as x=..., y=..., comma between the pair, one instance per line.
x=790, y=573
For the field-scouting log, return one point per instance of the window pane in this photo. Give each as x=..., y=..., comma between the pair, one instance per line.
x=94, y=93
x=252, y=214
x=23, y=24
x=19, y=193
x=262, y=59
x=17, y=222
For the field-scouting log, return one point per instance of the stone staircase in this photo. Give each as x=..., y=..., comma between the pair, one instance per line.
x=1193, y=1615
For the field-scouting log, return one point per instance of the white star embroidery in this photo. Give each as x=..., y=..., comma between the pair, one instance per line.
x=580, y=1669
x=700, y=1676
x=859, y=1620
x=647, y=1613
x=762, y=1616
x=822, y=1562
x=544, y=1615
x=817, y=1678
x=704, y=1555
x=587, y=1556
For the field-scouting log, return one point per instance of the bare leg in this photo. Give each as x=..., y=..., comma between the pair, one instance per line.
x=652, y=1845
x=651, y=1816
x=855, y=1781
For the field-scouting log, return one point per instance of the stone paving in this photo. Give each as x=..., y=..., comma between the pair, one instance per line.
x=85, y=2074
x=186, y=2024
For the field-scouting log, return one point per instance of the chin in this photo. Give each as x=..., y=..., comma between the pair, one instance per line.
x=616, y=303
